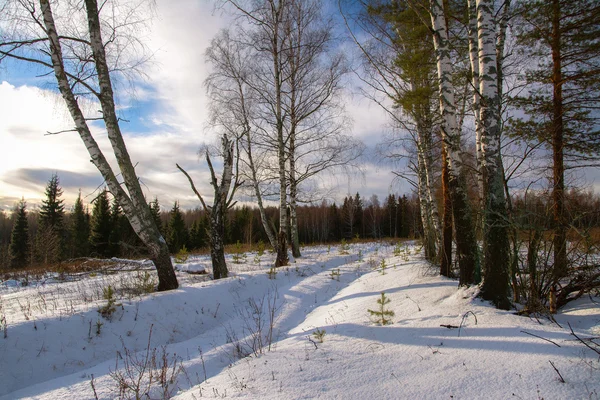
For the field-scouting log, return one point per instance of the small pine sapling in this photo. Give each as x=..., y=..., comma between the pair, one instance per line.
x=360, y=256
x=272, y=272
x=239, y=255
x=397, y=250
x=344, y=247
x=111, y=304
x=182, y=255
x=381, y=314
x=319, y=334
x=260, y=246
x=335, y=274
x=99, y=327
x=383, y=266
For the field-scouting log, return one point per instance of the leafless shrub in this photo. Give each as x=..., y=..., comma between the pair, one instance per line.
x=146, y=375
x=258, y=318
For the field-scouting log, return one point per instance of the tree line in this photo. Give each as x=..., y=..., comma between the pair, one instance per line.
x=52, y=234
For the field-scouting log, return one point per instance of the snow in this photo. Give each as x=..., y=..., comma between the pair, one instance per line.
x=209, y=328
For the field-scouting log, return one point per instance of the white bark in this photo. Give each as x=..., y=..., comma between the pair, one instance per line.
x=135, y=209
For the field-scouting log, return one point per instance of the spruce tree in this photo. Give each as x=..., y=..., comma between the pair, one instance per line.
x=100, y=226
x=50, y=241
x=155, y=211
x=19, y=241
x=80, y=230
x=198, y=235
x=116, y=233
x=178, y=234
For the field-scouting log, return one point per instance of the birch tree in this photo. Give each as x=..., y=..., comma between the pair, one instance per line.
x=83, y=62
x=487, y=101
x=399, y=66
x=461, y=207
x=317, y=128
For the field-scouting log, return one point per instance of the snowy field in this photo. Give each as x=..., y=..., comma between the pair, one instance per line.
x=301, y=332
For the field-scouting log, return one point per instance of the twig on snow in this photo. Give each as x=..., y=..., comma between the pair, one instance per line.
x=562, y=380
x=543, y=338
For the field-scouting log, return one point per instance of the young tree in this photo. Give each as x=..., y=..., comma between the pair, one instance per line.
x=178, y=233
x=80, y=230
x=85, y=60
x=50, y=238
x=19, y=239
x=101, y=226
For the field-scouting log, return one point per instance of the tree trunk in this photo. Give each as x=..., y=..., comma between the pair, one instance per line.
x=217, y=248
x=461, y=208
x=136, y=210
x=446, y=252
x=558, y=189
x=496, y=247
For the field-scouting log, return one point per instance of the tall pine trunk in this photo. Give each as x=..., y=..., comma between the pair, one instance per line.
x=558, y=188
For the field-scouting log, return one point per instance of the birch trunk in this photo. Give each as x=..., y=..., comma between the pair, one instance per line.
x=461, y=208
x=132, y=203
x=476, y=104
x=496, y=247
x=282, y=256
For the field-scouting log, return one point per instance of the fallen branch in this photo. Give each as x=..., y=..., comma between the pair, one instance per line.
x=543, y=338
x=562, y=380
x=463, y=320
x=449, y=326
x=583, y=341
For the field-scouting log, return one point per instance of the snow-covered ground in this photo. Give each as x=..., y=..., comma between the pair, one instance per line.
x=256, y=335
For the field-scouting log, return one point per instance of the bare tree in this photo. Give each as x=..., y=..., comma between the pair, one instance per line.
x=222, y=201
x=83, y=63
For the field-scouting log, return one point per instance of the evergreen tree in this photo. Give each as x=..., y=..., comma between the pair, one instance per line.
x=198, y=235
x=19, y=241
x=80, y=230
x=561, y=39
x=155, y=211
x=116, y=232
x=52, y=211
x=101, y=226
x=178, y=234
x=50, y=243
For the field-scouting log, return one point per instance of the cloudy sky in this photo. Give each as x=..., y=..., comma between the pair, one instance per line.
x=167, y=121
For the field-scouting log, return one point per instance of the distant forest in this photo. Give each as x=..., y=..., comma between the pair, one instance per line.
x=100, y=229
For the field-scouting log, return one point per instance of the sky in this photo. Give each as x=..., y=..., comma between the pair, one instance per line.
x=166, y=116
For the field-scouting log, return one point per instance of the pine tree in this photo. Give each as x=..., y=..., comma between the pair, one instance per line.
x=80, y=230
x=561, y=39
x=100, y=226
x=19, y=241
x=178, y=234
